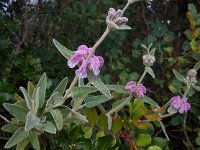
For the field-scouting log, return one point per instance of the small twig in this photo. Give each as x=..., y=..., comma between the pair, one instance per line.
x=144, y=17
x=4, y=118
x=101, y=108
x=68, y=91
x=3, y=138
x=185, y=132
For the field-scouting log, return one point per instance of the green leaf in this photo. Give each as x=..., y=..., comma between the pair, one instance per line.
x=137, y=108
x=117, y=125
x=95, y=100
x=192, y=9
x=154, y=147
x=152, y=52
x=148, y=100
x=105, y=142
x=84, y=144
x=33, y=138
x=16, y=110
x=197, y=66
x=164, y=130
x=103, y=121
x=179, y=76
x=117, y=103
x=55, y=99
x=117, y=88
x=36, y=100
x=171, y=110
x=58, y=118
x=150, y=71
x=92, y=116
x=75, y=117
x=143, y=140
x=17, y=137
x=27, y=98
x=124, y=27
x=83, y=90
x=42, y=84
x=63, y=50
x=47, y=127
x=23, y=144
x=30, y=88
x=76, y=132
x=96, y=81
x=196, y=87
x=61, y=87
x=88, y=132
x=12, y=128
x=31, y=121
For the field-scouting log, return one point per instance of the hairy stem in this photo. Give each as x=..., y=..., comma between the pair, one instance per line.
x=100, y=40
x=4, y=118
x=125, y=102
x=142, y=77
x=68, y=91
x=127, y=5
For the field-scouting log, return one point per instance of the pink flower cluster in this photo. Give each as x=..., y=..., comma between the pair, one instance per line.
x=86, y=60
x=180, y=104
x=117, y=17
x=138, y=90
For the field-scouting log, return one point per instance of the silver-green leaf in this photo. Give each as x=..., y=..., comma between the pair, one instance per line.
x=63, y=50
x=58, y=118
x=55, y=99
x=150, y=71
x=83, y=90
x=197, y=66
x=179, y=76
x=95, y=100
x=96, y=81
x=61, y=87
x=17, y=111
x=31, y=121
x=124, y=27
x=117, y=88
x=17, y=137
x=33, y=138
x=27, y=98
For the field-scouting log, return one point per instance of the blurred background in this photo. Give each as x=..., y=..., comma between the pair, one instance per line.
x=27, y=29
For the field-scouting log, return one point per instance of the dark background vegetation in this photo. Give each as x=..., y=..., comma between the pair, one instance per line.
x=27, y=50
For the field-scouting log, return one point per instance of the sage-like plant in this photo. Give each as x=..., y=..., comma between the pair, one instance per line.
x=35, y=114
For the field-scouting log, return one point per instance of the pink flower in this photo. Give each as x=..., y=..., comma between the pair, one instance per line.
x=86, y=60
x=180, y=104
x=138, y=90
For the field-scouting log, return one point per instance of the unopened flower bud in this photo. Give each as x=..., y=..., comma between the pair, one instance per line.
x=148, y=60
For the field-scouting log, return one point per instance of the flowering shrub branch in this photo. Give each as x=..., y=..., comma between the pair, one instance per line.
x=34, y=114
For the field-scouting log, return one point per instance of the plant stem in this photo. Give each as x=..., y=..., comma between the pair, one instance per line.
x=142, y=77
x=120, y=106
x=4, y=118
x=67, y=92
x=127, y=5
x=167, y=115
x=100, y=40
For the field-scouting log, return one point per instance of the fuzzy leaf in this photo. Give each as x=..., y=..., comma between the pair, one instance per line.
x=196, y=87
x=55, y=99
x=31, y=121
x=17, y=137
x=18, y=98
x=148, y=100
x=150, y=71
x=83, y=90
x=11, y=128
x=124, y=27
x=164, y=130
x=197, y=66
x=47, y=127
x=23, y=144
x=33, y=138
x=36, y=100
x=179, y=76
x=63, y=50
x=171, y=110
x=17, y=111
x=61, y=87
x=27, y=98
x=58, y=118
x=76, y=118
x=117, y=88
x=152, y=52
x=95, y=100
x=30, y=88
x=42, y=84
x=96, y=81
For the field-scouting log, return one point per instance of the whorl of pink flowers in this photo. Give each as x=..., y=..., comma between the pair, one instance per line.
x=85, y=60
x=138, y=90
x=180, y=104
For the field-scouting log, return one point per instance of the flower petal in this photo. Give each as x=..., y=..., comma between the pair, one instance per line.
x=74, y=60
x=82, y=71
